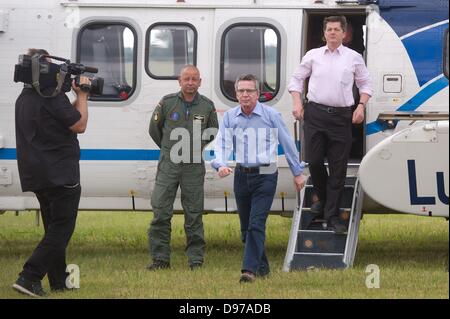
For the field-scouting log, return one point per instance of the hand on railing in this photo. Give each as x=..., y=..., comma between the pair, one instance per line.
x=299, y=182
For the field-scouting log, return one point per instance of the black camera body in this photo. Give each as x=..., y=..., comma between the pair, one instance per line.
x=96, y=86
x=50, y=74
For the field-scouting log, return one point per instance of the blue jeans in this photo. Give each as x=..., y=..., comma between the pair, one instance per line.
x=254, y=196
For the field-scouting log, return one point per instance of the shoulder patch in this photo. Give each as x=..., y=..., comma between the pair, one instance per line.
x=156, y=116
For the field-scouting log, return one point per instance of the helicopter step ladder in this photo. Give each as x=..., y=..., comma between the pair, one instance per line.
x=311, y=245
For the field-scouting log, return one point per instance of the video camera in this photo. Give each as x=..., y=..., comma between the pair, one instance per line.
x=37, y=71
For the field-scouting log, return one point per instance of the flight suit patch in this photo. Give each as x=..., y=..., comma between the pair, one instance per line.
x=200, y=118
x=175, y=116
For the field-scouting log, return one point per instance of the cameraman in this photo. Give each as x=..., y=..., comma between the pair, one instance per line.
x=48, y=157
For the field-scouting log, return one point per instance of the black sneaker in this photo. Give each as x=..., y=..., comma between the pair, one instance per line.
x=30, y=288
x=317, y=208
x=158, y=264
x=196, y=266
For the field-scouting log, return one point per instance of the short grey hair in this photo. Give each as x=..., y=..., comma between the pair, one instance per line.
x=247, y=77
x=189, y=67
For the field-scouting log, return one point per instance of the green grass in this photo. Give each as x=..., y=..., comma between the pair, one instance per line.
x=111, y=250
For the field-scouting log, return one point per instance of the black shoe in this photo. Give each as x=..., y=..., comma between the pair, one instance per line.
x=30, y=288
x=247, y=276
x=337, y=228
x=158, y=264
x=317, y=208
x=196, y=266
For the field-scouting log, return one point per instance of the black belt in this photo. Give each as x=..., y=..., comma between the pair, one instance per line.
x=332, y=109
x=250, y=170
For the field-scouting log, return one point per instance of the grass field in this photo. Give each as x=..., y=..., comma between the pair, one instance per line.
x=111, y=252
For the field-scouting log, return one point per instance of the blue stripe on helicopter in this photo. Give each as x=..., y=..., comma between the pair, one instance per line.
x=115, y=154
x=412, y=104
x=425, y=50
x=407, y=16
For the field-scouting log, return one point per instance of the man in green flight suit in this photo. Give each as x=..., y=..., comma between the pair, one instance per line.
x=191, y=116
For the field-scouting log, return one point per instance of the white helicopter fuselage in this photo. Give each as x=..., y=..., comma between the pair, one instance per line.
x=137, y=45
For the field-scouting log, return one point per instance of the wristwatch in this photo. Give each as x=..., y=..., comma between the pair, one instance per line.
x=362, y=103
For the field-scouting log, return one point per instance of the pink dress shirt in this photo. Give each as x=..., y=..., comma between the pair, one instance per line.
x=331, y=76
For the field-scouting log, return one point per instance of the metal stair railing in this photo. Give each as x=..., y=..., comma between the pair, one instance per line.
x=294, y=231
x=353, y=228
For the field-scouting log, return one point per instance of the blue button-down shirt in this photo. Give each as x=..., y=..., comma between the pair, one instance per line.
x=254, y=139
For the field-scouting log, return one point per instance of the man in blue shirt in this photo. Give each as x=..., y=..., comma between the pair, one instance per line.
x=252, y=131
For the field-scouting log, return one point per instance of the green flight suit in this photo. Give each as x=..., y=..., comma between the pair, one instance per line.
x=170, y=114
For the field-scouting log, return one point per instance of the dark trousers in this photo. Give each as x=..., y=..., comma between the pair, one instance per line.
x=328, y=133
x=59, y=207
x=254, y=196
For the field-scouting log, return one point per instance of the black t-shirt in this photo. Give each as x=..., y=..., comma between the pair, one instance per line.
x=48, y=152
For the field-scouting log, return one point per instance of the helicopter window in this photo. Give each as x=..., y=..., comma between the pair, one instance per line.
x=169, y=47
x=110, y=47
x=252, y=49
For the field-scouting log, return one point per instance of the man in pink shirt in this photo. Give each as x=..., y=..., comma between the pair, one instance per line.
x=328, y=117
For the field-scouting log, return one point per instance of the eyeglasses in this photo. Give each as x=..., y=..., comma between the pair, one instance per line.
x=248, y=91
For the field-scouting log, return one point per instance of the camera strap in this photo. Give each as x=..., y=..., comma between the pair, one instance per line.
x=35, y=74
